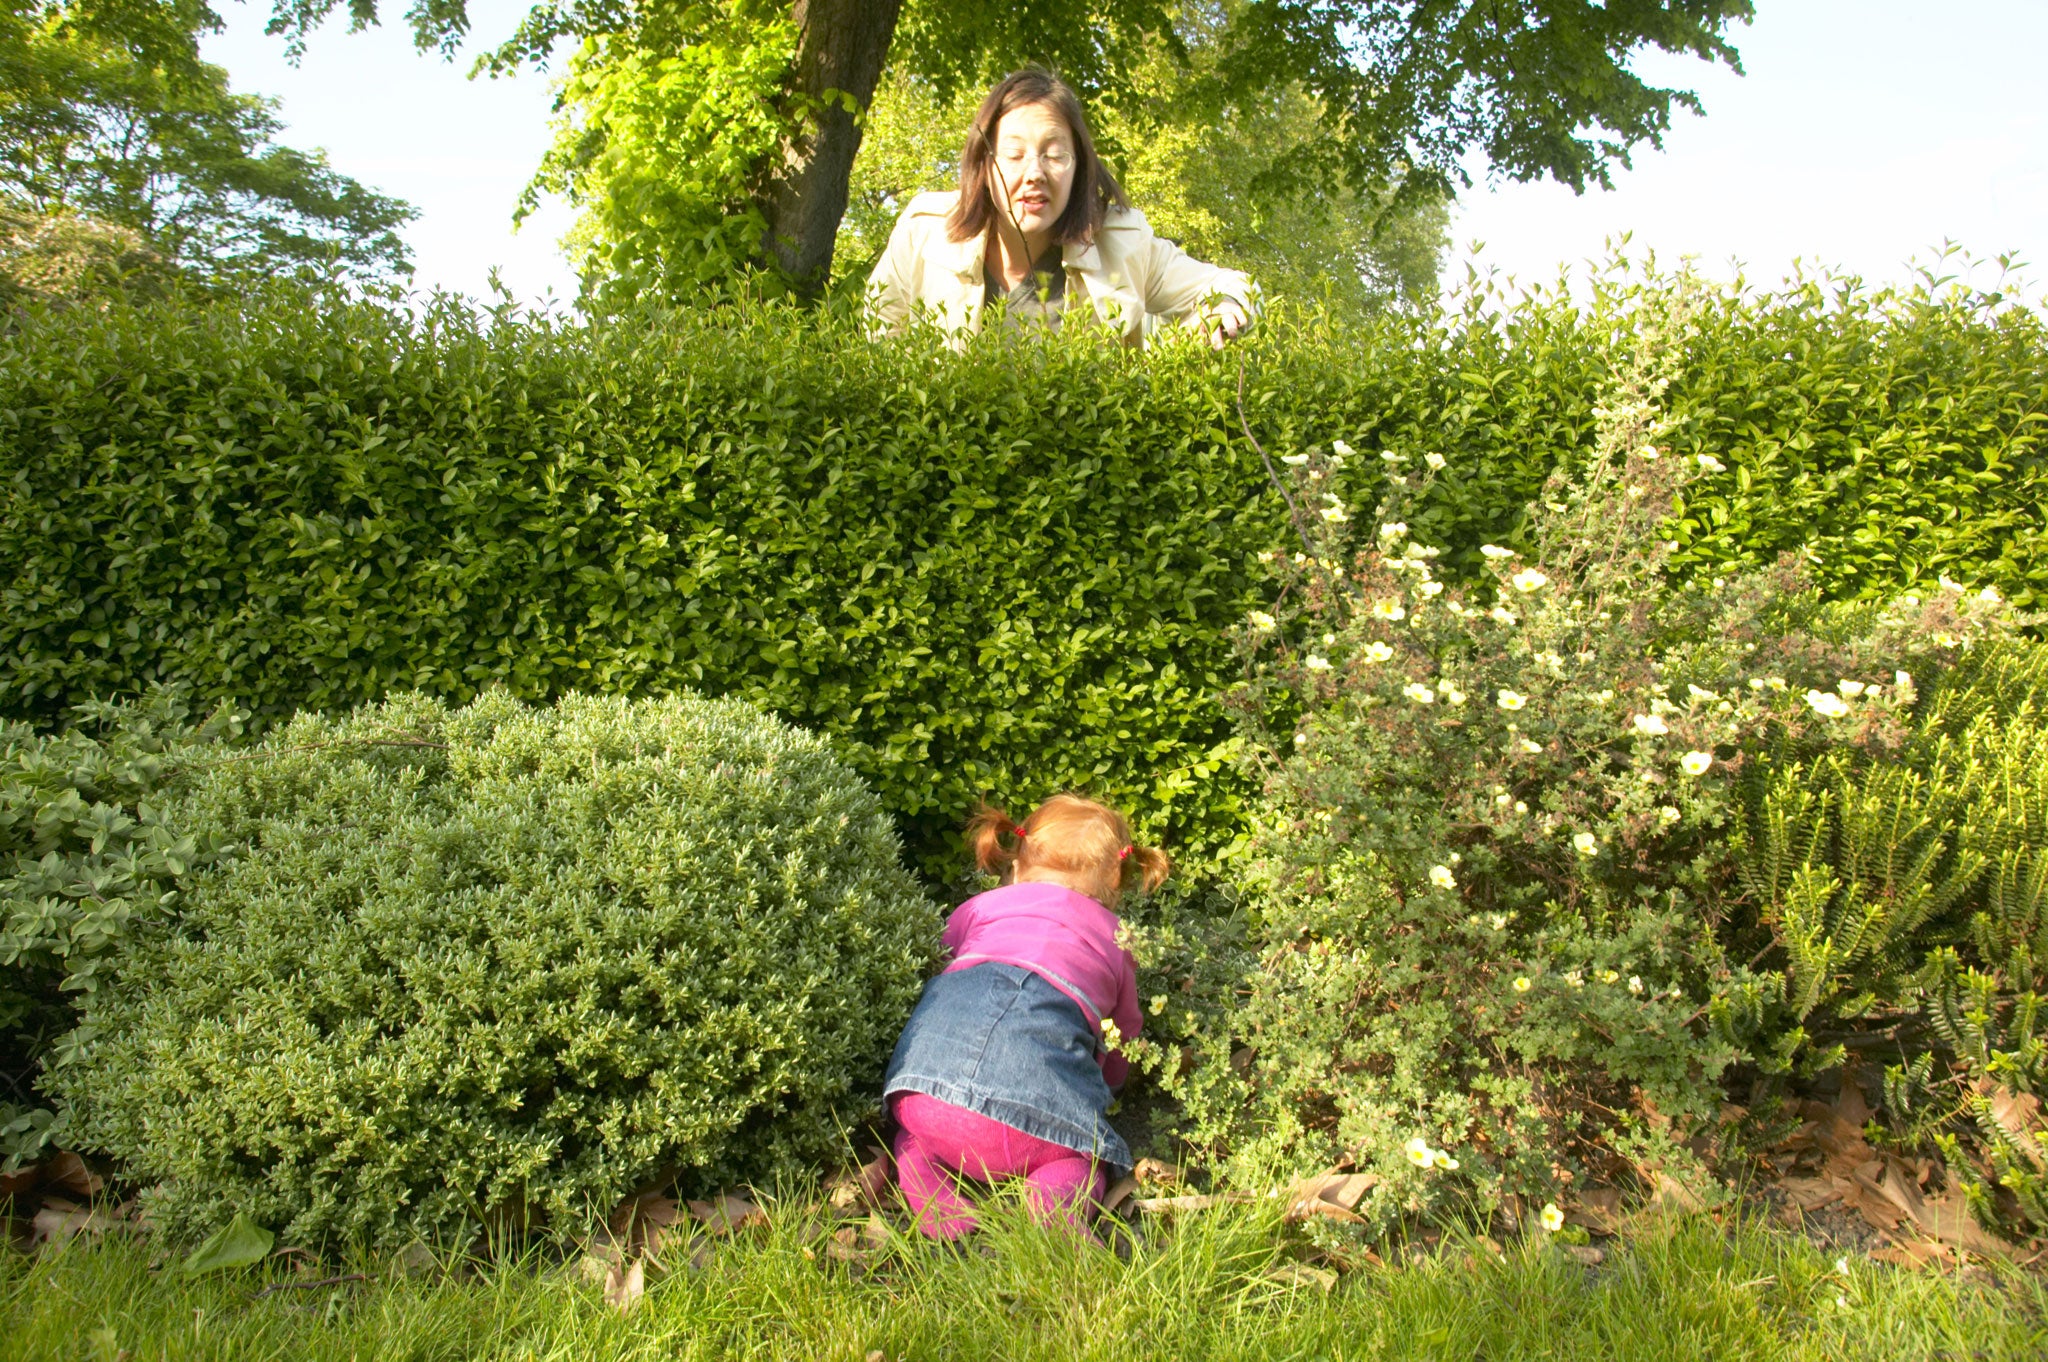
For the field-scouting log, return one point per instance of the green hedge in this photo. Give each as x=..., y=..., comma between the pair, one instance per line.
x=1002, y=572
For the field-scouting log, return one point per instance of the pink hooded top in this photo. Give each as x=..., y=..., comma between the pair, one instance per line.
x=1065, y=938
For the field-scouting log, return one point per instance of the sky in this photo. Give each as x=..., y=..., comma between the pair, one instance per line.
x=1864, y=134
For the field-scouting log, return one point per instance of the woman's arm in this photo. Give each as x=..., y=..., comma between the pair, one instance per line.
x=892, y=286
x=1175, y=284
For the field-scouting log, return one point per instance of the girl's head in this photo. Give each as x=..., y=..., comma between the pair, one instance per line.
x=1030, y=161
x=1067, y=840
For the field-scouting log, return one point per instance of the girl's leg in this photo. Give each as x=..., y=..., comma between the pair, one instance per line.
x=936, y=1206
x=1066, y=1188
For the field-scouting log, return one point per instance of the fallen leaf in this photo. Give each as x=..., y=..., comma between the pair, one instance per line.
x=1916, y=1253
x=1810, y=1194
x=638, y=1224
x=238, y=1243
x=1586, y=1254
x=1329, y=1195
x=727, y=1214
x=1156, y=1172
x=14, y=1184
x=60, y=1220
x=1598, y=1209
x=1850, y=1108
x=866, y=1185
x=2018, y=1114
x=1303, y=1274
x=625, y=1284
x=1119, y=1193
x=1675, y=1195
x=1948, y=1219
x=65, y=1169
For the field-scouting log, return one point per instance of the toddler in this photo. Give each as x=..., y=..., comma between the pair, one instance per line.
x=1002, y=1070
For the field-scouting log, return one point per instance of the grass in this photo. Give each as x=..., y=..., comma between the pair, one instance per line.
x=1203, y=1289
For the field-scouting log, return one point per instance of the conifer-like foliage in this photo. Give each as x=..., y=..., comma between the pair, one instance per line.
x=503, y=965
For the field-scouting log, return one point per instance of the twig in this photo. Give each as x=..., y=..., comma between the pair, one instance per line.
x=308, y=1286
x=1272, y=474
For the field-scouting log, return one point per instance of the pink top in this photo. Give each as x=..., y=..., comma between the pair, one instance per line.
x=1065, y=938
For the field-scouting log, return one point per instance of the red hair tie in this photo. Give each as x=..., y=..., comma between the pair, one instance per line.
x=1017, y=831
x=1121, y=854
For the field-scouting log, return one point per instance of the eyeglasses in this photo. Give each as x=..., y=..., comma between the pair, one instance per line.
x=1052, y=161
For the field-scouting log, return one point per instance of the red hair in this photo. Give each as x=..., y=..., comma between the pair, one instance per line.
x=1075, y=838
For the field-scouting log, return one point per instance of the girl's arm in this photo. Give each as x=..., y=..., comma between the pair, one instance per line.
x=955, y=935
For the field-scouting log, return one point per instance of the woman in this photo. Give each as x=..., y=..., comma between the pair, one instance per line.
x=1040, y=226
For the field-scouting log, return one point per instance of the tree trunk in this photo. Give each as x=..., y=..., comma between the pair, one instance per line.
x=841, y=45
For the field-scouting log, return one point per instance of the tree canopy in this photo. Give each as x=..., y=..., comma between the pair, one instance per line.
x=705, y=136
x=108, y=113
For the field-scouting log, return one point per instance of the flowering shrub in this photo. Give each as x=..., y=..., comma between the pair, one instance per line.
x=1494, y=861
x=501, y=964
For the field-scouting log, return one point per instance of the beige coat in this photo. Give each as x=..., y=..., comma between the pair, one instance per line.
x=1132, y=278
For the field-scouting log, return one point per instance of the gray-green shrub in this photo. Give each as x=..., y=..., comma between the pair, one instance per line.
x=501, y=963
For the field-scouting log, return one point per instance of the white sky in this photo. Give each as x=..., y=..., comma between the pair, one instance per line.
x=1864, y=133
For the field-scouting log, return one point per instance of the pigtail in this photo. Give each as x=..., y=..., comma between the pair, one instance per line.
x=1151, y=865
x=985, y=829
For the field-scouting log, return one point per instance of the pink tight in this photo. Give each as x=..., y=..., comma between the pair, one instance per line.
x=936, y=1139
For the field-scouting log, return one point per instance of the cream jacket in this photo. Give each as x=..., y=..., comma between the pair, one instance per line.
x=1133, y=279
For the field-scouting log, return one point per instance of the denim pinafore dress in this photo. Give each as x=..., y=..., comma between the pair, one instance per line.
x=1000, y=1041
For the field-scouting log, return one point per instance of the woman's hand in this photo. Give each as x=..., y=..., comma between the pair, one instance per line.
x=1226, y=323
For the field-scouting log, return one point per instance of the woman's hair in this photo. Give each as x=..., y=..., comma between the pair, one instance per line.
x=1095, y=190
x=1087, y=842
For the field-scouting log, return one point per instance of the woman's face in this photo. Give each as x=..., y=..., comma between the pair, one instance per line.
x=1034, y=165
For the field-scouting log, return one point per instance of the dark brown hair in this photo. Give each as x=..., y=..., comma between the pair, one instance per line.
x=1095, y=190
x=1074, y=837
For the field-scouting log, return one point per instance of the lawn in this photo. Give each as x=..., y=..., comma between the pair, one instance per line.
x=1215, y=1285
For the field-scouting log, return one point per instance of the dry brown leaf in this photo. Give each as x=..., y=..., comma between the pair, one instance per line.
x=636, y=1225
x=66, y=1170
x=1329, y=1195
x=1948, y=1219
x=1810, y=1194
x=1585, y=1254
x=1675, y=1195
x=14, y=1184
x=1598, y=1209
x=1303, y=1274
x=865, y=1185
x=1850, y=1108
x=1916, y=1253
x=1891, y=1179
x=1156, y=1172
x=2019, y=1115
x=625, y=1284
x=1118, y=1194
x=727, y=1214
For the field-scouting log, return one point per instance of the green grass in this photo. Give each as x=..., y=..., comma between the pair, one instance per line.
x=1202, y=1290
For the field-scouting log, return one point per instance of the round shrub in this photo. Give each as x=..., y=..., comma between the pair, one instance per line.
x=503, y=964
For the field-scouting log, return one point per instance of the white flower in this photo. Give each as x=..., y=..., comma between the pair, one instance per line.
x=1300, y=738
x=1949, y=583
x=1418, y=1153
x=1442, y=878
x=1158, y=1003
x=1342, y=449
x=1520, y=807
x=1393, y=529
x=1428, y=589
x=1503, y=799
x=1842, y=1266
x=1585, y=843
x=1445, y=1161
x=1335, y=514
x=1390, y=456
x=1902, y=682
x=1946, y=641
x=1453, y=696
x=1553, y=1218
x=1826, y=705
x=1608, y=976
x=1500, y=614
x=1532, y=748
x=1667, y=814
x=1262, y=621
x=1315, y=663
x=1605, y=697
x=1649, y=453
x=1376, y=652
x=1419, y=693
x=1698, y=693
x=1775, y=682
x=1635, y=983
x=1112, y=1034
x=1389, y=610
x=1989, y=595
x=1850, y=689
x=1550, y=660
x=1529, y=579
x=1756, y=683
x=1496, y=551
x=1522, y=984
x=1294, y=460
x=1650, y=724
x=1695, y=763
x=1710, y=464
x=1435, y=461
x=1510, y=700
x=1499, y=921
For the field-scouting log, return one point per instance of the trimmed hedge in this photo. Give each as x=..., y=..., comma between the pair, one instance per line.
x=465, y=967
x=1002, y=572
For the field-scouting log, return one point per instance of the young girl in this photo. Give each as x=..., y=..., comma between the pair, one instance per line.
x=1003, y=1071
